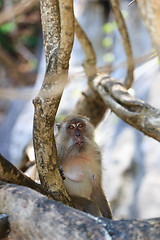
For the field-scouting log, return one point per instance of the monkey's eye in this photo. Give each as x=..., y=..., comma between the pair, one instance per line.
x=80, y=125
x=71, y=127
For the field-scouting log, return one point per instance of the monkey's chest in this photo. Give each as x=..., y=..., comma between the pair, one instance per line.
x=81, y=175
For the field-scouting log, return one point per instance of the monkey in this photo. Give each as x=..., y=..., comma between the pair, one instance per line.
x=79, y=157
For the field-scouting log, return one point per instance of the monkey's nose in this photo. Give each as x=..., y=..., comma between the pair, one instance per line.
x=77, y=133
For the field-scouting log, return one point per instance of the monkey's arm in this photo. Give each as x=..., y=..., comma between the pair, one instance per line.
x=86, y=205
x=99, y=198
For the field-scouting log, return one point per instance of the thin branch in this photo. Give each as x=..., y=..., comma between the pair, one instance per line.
x=90, y=56
x=16, y=10
x=90, y=104
x=126, y=42
x=133, y=111
x=131, y=2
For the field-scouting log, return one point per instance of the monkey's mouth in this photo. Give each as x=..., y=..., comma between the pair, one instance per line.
x=80, y=143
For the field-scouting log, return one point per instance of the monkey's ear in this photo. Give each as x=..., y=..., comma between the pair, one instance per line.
x=58, y=126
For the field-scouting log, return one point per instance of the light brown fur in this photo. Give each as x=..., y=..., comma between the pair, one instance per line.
x=80, y=159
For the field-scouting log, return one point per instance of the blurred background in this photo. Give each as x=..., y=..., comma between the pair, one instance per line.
x=131, y=165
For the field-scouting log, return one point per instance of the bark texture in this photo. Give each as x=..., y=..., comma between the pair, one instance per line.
x=33, y=216
x=133, y=111
x=58, y=35
x=10, y=174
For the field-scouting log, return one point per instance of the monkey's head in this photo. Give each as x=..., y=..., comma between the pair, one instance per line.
x=75, y=129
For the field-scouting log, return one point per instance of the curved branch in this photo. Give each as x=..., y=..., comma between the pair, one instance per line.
x=133, y=111
x=90, y=104
x=126, y=42
x=10, y=174
x=90, y=56
x=57, y=52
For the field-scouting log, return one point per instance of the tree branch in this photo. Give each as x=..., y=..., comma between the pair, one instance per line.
x=133, y=111
x=90, y=104
x=90, y=56
x=10, y=174
x=126, y=42
x=57, y=52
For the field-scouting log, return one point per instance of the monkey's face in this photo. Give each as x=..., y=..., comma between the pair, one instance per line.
x=76, y=131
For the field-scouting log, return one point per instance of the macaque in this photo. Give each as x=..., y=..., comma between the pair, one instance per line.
x=80, y=159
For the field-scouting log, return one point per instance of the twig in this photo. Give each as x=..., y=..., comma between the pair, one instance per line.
x=90, y=56
x=126, y=42
x=131, y=2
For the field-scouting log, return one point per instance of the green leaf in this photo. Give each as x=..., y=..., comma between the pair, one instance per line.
x=108, y=57
x=109, y=27
x=8, y=27
x=107, y=42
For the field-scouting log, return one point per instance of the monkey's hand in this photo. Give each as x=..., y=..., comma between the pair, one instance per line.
x=61, y=172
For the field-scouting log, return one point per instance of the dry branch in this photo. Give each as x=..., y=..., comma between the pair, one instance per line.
x=33, y=216
x=126, y=42
x=58, y=40
x=90, y=56
x=90, y=104
x=131, y=2
x=133, y=111
x=10, y=174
